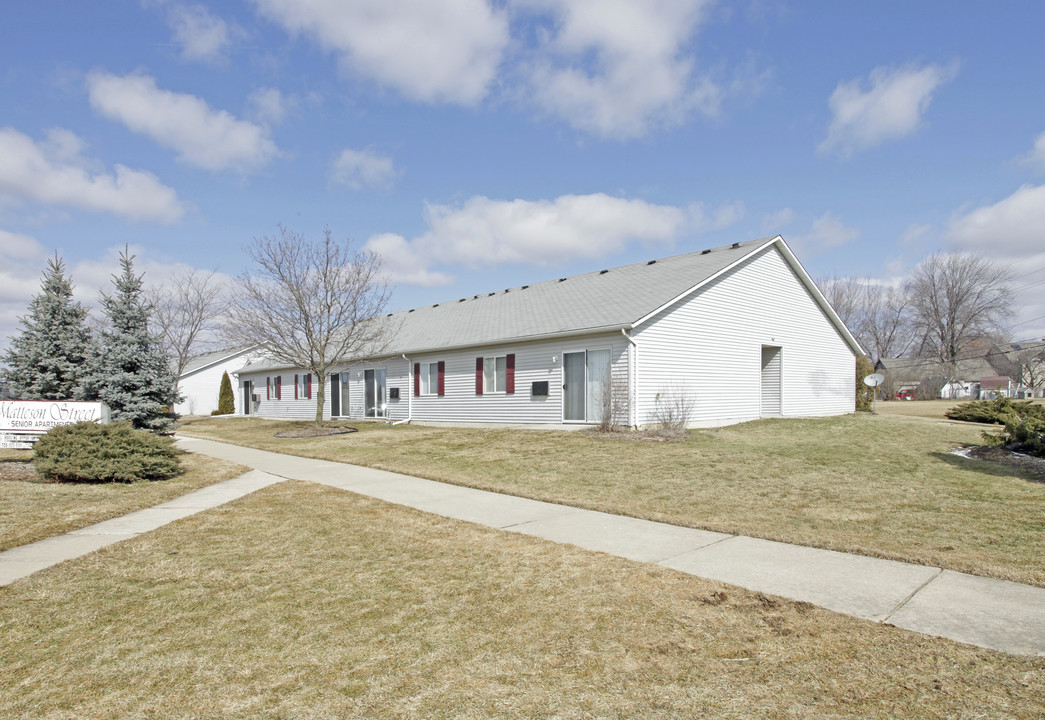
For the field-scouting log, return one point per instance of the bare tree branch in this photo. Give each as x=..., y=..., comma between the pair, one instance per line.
x=312, y=305
x=958, y=301
x=185, y=314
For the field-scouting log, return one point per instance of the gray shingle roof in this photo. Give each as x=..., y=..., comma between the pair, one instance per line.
x=611, y=298
x=201, y=361
x=605, y=299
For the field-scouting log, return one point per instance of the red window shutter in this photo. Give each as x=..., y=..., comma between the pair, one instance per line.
x=308, y=386
x=442, y=375
x=279, y=387
x=295, y=387
x=417, y=378
x=268, y=388
x=509, y=381
x=478, y=376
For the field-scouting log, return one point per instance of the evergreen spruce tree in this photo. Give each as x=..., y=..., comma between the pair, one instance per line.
x=226, y=400
x=46, y=361
x=129, y=372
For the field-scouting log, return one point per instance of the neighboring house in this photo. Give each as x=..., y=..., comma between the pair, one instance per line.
x=1009, y=370
x=1024, y=363
x=934, y=379
x=996, y=386
x=741, y=331
x=200, y=382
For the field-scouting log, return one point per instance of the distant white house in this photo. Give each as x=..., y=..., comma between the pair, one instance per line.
x=200, y=382
x=741, y=330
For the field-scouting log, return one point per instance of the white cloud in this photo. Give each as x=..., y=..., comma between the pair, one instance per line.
x=826, y=232
x=269, y=105
x=617, y=68
x=55, y=172
x=200, y=34
x=401, y=263
x=1036, y=157
x=482, y=232
x=19, y=247
x=202, y=137
x=1010, y=228
x=891, y=107
x=774, y=222
x=429, y=50
x=358, y=169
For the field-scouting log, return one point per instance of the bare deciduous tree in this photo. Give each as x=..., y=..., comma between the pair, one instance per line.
x=957, y=300
x=878, y=315
x=886, y=330
x=185, y=313
x=312, y=305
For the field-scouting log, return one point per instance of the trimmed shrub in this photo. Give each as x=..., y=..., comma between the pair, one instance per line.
x=226, y=400
x=86, y=452
x=1001, y=411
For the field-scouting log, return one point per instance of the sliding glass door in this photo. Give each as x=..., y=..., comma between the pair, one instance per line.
x=586, y=385
x=374, y=393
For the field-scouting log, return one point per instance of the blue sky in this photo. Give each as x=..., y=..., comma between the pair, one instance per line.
x=481, y=144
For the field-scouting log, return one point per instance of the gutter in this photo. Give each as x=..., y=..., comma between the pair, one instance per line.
x=633, y=371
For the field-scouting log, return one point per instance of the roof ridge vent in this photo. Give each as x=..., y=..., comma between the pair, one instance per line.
x=705, y=252
x=736, y=245
x=651, y=262
x=507, y=289
x=491, y=294
x=562, y=279
x=411, y=309
x=436, y=305
x=525, y=286
x=603, y=272
x=462, y=299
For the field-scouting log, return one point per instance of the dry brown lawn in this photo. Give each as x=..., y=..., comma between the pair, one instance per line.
x=302, y=601
x=877, y=485
x=31, y=511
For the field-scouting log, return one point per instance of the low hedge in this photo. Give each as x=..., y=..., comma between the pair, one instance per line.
x=1000, y=411
x=86, y=452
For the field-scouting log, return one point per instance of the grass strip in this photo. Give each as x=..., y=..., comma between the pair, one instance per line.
x=31, y=511
x=876, y=485
x=301, y=601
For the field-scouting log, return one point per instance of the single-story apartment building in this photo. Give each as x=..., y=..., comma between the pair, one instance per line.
x=200, y=382
x=738, y=332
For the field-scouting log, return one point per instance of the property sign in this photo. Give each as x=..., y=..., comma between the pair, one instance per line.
x=39, y=416
x=17, y=442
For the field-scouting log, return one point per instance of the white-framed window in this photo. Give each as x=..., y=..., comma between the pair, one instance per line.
x=274, y=387
x=429, y=378
x=495, y=374
x=303, y=386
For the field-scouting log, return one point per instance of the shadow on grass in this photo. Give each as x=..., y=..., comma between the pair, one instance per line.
x=987, y=467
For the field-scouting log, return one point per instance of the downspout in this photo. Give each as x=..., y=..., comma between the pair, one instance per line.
x=409, y=394
x=633, y=372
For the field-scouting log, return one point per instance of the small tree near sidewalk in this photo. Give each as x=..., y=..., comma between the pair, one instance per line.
x=311, y=305
x=226, y=400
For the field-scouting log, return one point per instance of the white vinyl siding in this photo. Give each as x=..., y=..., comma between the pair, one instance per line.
x=709, y=345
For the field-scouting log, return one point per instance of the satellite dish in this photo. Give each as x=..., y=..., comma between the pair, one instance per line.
x=874, y=379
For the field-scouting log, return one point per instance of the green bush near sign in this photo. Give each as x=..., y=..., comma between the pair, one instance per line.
x=86, y=452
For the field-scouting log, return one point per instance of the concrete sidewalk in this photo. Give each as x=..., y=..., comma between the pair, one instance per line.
x=22, y=561
x=989, y=613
